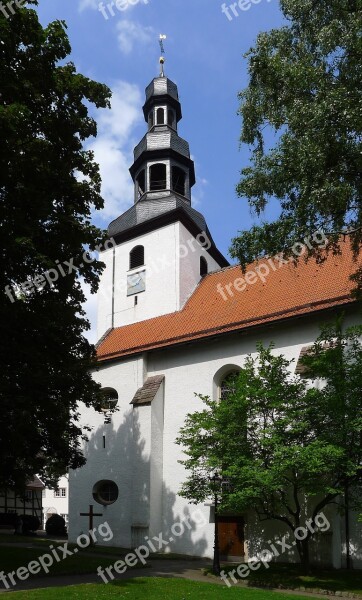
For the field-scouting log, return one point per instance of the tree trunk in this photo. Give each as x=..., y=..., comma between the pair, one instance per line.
x=303, y=551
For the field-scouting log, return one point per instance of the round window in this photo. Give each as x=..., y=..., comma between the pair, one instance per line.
x=105, y=492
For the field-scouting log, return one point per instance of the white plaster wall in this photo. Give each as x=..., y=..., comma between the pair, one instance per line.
x=52, y=504
x=115, y=461
x=191, y=369
x=172, y=266
x=156, y=464
x=104, y=294
x=190, y=253
x=188, y=370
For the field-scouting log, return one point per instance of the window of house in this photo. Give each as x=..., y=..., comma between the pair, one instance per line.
x=203, y=266
x=60, y=493
x=160, y=116
x=28, y=495
x=157, y=177
x=43, y=493
x=178, y=180
x=137, y=257
x=105, y=492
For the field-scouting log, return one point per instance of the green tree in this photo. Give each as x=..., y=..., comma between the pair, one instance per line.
x=304, y=91
x=48, y=186
x=286, y=448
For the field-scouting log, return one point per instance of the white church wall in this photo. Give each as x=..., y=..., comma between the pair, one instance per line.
x=191, y=370
x=190, y=253
x=114, y=462
x=172, y=272
x=104, y=295
x=161, y=295
x=156, y=462
x=148, y=494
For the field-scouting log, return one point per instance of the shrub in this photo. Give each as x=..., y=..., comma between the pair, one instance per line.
x=55, y=525
x=9, y=520
x=30, y=523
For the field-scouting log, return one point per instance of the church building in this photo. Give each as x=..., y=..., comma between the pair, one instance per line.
x=175, y=320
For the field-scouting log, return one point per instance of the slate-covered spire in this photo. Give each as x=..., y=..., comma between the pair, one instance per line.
x=162, y=166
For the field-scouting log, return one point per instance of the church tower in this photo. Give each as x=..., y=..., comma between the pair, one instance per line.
x=162, y=246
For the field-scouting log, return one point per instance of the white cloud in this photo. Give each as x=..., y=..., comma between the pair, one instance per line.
x=113, y=148
x=131, y=33
x=84, y=4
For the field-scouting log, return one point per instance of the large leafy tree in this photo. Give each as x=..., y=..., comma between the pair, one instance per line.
x=287, y=449
x=48, y=186
x=304, y=94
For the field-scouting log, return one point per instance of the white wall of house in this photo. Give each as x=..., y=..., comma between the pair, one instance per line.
x=56, y=501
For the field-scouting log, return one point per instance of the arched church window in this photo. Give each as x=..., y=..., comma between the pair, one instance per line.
x=160, y=116
x=157, y=177
x=105, y=492
x=109, y=399
x=150, y=119
x=141, y=183
x=171, y=118
x=137, y=257
x=178, y=180
x=203, y=266
x=227, y=386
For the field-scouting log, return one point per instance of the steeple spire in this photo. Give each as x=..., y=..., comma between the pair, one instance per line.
x=162, y=58
x=162, y=166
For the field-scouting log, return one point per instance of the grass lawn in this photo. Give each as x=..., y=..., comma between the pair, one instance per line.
x=152, y=589
x=10, y=538
x=290, y=576
x=12, y=558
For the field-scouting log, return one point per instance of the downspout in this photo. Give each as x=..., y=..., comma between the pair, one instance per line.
x=113, y=280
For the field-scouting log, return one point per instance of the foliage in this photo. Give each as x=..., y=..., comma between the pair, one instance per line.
x=285, y=447
x=48, y=187
x=30, y=523
x=304, y=92
x=55, y=525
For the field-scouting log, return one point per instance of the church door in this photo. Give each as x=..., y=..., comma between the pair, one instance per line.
x=231, y=537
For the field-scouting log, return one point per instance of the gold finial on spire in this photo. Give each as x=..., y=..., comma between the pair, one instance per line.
x=162, y=58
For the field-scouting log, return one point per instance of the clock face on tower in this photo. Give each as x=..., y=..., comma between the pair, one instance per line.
x=136, y=283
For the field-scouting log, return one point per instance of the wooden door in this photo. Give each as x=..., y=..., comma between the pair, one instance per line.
x=231, y=536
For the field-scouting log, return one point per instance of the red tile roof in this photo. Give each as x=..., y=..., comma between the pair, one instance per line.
x=286, y=292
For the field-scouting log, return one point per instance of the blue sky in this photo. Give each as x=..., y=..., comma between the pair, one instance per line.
x=204, y=56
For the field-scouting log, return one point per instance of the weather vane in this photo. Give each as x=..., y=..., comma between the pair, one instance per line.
x=162, y=58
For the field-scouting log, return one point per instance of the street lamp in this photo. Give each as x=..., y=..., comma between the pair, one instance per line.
x=216, y=479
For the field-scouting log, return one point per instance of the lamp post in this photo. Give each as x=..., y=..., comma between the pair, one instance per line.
x=216, y=479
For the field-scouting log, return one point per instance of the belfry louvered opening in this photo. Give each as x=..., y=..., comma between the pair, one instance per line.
x=137, y=257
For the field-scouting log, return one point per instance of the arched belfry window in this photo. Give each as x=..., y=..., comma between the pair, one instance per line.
x=178, y=180
x=137, y=257
x=203, y=266
x=150, y=119
x=160, y=116
x=158, y=177
x=227, y=385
